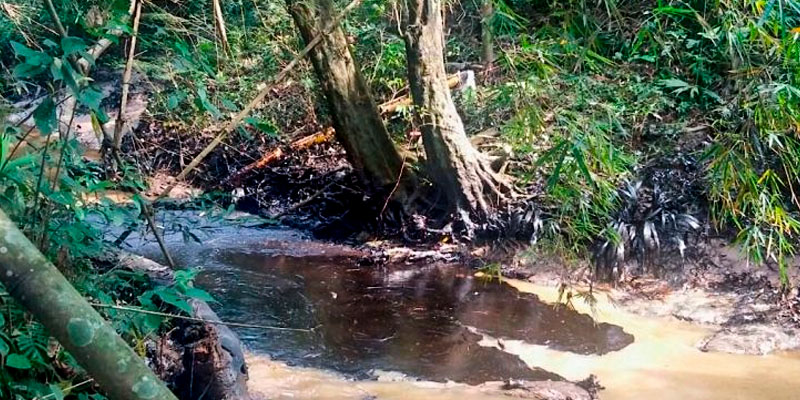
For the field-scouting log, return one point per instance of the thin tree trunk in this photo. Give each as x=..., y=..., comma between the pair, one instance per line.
x=462, y=172
x=126, y=80
x=222, y=31
x=40, y=287
x=356, y=119
x=487, y=38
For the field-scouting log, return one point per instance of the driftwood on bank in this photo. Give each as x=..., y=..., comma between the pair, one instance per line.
x=277, y=154
x=215, y=354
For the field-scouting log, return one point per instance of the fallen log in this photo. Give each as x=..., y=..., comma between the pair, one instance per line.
x=40, y=287
x=212, y=350
x=278, y=153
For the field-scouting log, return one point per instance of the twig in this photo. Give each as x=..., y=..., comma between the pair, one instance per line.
x=258, y=99
x=195, y=319
x=54, y=15
x=304, y=202
x=396, y=185
x=149, y=216
x=126, y=78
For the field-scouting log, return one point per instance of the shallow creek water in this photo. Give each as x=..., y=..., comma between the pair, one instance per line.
x=431, y=331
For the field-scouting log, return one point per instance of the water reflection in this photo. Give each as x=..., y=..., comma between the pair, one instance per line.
x=410, y=319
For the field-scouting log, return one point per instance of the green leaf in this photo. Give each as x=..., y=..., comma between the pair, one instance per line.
x=56, y=392
x=91, y=97
x=578, y=155
x=45, y=116
x=32, y=57
x=24, y=70
x=71, y=45
x=674, y=83
x=202, y=96
x=18, y=361
x=175, y=99
x=266, y=127
x=4, y=349
x=198, y=294
x=170, y=297
x=55, y=69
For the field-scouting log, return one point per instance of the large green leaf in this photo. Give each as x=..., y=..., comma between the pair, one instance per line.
x=32, y=57
x=72, y=45
x=45, y=116
x=18, y=361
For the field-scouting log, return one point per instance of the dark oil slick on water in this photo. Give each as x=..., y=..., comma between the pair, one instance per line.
x=418, y=320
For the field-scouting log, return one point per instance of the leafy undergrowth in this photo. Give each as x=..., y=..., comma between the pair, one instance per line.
x=635, y=123
x=57, y=199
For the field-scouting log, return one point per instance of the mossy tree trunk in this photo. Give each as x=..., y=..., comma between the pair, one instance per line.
x=43, y=290
x=358, y=124
x=461, y=171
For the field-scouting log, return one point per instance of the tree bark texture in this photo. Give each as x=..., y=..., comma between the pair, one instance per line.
x=43, y=290
x=356, y=119
x=487, y=38
x=460, y=170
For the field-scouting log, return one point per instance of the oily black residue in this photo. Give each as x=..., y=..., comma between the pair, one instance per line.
x=416, y=320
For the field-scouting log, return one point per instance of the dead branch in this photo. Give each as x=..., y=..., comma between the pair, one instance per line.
x=103, y=44
x=258, y=99
x=323, y=136
x=220, y=23
x=278, y=153
x=393, y=105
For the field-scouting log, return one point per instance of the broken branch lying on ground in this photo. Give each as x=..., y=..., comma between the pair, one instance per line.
x=325, y=135
x=276, y=154
x=258, y=99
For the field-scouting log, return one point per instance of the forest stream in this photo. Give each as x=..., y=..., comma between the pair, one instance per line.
x=440, y=331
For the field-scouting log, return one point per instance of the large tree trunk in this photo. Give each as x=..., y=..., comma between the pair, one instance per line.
x=356, y=120
x=462, y=172
x=40, y=287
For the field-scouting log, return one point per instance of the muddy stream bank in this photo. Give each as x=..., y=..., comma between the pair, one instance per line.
x=438, y=331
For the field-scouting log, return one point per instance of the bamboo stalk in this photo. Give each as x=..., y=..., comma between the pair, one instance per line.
x=220, y=23
x=38, y=285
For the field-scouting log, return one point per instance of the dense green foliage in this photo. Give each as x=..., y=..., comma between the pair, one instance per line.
x=586, y=93
x=57, y=197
